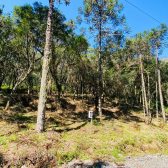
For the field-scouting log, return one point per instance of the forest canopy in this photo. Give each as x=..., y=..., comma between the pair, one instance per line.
x=122, y=68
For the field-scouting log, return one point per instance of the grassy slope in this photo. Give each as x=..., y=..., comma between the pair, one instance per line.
x=68, y=135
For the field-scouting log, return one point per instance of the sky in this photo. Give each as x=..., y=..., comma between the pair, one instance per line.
x=137, y=20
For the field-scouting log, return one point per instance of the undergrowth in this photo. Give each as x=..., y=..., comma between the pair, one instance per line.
x=109, y=138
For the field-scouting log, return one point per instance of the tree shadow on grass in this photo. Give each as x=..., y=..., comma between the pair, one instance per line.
x=82, y=116
x=111, y=115
x=71, y=111
x=97, y=164
x=123, y=112
x=74, y=126
x=66, y=105
x=20, y=118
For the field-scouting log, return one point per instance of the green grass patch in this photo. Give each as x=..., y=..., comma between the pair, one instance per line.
x=3, y=141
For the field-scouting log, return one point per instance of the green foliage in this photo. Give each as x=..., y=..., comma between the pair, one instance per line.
x=68, y=156
x=3, y=140
x=158, y=35
x=166, y=109
x=162, y=138
x=5, y=87
x=95, y=122
x=115, y=152
x=74, y=65
x=98, y=14
x=13, y=138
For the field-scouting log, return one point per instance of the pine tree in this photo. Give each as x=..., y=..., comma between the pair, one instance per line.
x=100, y=14
x=45, y=69
x=158, y=36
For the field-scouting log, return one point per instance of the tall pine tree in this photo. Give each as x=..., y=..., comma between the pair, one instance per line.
x=43, y=88
x=158, y=37
x=103, y=18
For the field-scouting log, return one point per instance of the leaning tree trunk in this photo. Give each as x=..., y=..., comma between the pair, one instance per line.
x=160, y=89
x=19, y=81
x=100, y=72
x=144, y=90
x=10, y=97
x=43, y=88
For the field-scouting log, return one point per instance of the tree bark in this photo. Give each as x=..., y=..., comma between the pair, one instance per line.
x=45, y=69
x=161, y=97
x=136, y=95
x=2, y=75
x=131, y=97
x=144, y=90
x=100, y=72
x=82, y=88
x=157, y=115
x=143, y=103
x=148, y=92
x=59, y=87
x=148, y=89
x=160, y=89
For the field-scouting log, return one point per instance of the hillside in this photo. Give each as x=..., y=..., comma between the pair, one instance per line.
x=122, y=132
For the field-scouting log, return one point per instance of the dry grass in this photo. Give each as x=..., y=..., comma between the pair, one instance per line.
x=68, y=135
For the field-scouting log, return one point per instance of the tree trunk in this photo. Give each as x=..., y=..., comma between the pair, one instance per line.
x=160, y=89
x=43, y=88
x=136, y=96
x=143, y=104
x=161, y=97
x=74, y=95
x=167, y=96
x=148, y=88
x=77, y=91
x=140, y=98
x=100, y=72
x=82, y=89
x=19, y=81
x=30, y=88
x=143, y=89
x=157, y=114
x=149, y=97
x=131, y=98
x=148, y=92
x=1, y=81
x=10, y=97
x=59, y=87
x=2, y=77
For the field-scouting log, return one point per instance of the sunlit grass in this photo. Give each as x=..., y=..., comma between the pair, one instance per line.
x=114, y=137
